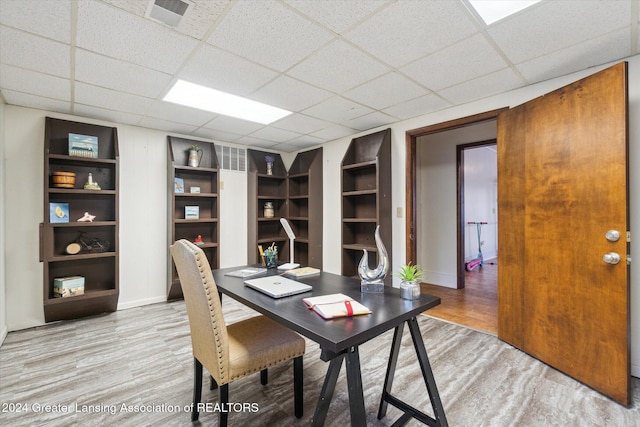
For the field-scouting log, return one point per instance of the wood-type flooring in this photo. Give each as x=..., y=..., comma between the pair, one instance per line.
x=475, y=306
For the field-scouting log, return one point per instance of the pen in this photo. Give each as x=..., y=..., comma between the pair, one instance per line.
x=261, y=254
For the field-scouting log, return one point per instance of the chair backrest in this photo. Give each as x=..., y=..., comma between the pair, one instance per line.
x=208, y=331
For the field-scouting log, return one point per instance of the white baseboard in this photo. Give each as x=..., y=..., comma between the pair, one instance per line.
x=141, y=302
x=440, y=279
x=635, y=371
x=3, y=334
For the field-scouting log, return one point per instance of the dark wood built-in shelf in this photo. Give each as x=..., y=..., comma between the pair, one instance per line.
x=100, y=270
x=206, y=177
x=296, y=195
x=366, y=199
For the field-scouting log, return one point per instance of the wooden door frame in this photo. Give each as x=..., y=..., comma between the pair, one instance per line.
x=411, y=137
x=461, y=221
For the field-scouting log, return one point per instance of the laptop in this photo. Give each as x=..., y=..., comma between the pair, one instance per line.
x=277, y=286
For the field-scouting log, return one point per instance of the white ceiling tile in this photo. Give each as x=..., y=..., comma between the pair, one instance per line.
x=601, y=50
x=408, y=30
x=289, y=147
x=306, y=141
x=290, y=94
x=268, y=33
x=217, y=135
x=370, y=121
x=121, y=76
x=167, y=126
x=337, y=15
x=21, y=80
x=337, y=109
x=500, y=81
x=233, y=125
x=35, y=101
x=106, y=114
x=334, y=132
x=466, y=60
x=195, y=23
x=338, y=67
x=417, y=107
x=554, y=25
x=274, y=135
x=221, y=70
x=300, y=123
x=390, y=89
x=111, y=99
x=106, y=29
x=50, y=19
x=179, y=113
x=255, y=142
x=33, y=52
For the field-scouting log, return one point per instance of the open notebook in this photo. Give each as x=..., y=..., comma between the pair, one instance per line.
x=335, y=305
x=277, y=286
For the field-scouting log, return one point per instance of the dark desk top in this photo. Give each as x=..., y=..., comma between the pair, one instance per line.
x=336, y=335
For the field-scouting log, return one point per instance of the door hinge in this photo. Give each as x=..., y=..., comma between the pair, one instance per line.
x=628, y=237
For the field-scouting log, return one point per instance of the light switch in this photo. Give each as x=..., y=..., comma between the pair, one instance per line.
x=221, y=185
x=399, y=212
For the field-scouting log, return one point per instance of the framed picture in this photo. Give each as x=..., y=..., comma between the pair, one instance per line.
x=58, y=212
x=178, y=185
x=194, y=189
x=192, y=212
x=83, y=146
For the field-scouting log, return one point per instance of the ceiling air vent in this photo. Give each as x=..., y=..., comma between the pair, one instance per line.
x=168, y=12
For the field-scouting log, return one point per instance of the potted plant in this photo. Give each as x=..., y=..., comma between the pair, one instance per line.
x=410, y=274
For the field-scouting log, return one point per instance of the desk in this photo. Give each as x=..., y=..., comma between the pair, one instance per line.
x=339, y=339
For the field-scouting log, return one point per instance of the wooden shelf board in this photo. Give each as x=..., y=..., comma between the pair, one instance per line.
x=80, y=161
x=358, y=247
x=195, y=169
x=194, y=221
x=87, y=295
x=76, y=224
x=368, y=163
x=205, y=195
x=54, y=190
x=357, y=220
x=359, y=192
x=62, y=258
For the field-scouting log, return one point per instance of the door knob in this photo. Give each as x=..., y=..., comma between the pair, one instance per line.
x=613, y=235
x=611, y=258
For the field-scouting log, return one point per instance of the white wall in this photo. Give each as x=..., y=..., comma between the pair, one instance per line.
x=3, y=302
x=143, y=203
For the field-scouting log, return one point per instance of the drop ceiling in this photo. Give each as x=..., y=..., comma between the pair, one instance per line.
x=341, y=66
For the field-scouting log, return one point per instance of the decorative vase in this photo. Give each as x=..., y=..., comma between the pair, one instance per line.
x=269, y=168
x=372, y=281
x=195, y=156
x=410, y=290
x=268, y=210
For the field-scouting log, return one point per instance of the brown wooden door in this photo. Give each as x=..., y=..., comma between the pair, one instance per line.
x=562, y=184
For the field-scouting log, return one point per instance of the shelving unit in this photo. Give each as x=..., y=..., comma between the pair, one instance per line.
x=305, y=207
x=296, y=195
x=207, y=178
x=366, y=199
x=263, y=188
x=100, y=270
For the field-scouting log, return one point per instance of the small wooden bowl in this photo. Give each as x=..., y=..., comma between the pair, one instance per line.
x=63, y=179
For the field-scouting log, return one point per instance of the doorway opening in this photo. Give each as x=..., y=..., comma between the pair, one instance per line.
x=435, y=235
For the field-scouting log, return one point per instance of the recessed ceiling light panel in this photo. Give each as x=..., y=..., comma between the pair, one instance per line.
x=215, y=101
x=494, y=10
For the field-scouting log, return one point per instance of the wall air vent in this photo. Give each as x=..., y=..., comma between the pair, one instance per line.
x=169, y=12
x=232, y=158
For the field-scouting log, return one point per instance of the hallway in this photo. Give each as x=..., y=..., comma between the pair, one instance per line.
x=475, y=306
